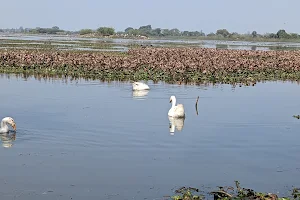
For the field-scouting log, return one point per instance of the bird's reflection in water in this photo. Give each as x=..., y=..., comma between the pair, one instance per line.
x=177, y=123
x=139, y=94
x=7, y=139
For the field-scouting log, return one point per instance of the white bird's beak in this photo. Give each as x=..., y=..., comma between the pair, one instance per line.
x=14, y=126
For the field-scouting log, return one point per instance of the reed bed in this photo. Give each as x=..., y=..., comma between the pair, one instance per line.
x=180, y=65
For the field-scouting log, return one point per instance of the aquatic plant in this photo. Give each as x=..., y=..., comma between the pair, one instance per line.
x=174, y=65
x=229, y=192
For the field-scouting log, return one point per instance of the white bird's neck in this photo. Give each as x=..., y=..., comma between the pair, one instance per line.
x=173, y=102
x=4, y=126
x=3, y=123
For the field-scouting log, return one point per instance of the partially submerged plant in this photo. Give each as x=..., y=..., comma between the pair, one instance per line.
x=184, y=193
x=237, y=193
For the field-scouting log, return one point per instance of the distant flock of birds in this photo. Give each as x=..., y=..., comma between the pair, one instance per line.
x=175, y=112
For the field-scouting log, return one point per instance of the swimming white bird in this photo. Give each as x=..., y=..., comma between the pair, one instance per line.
x=5, y=121
x=140, y=86
x=176, y=111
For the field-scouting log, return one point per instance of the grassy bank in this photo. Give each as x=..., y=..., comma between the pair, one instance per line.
x=180, y=65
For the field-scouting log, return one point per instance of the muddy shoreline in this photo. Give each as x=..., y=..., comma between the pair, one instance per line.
x=180, y=65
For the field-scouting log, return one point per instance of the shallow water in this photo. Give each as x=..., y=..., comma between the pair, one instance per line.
x=122, y=43
x=93, y=140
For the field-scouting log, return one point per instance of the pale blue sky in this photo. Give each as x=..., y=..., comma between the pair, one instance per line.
x=207, y=15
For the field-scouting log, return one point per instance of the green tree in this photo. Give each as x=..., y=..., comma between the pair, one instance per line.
x=106, y=31
x=282, y=34
x=156, y=32
x=254, y=34
x=294, y=35
x=223, y=32
x=85, y=31
x=55, y=27
x=128, y=29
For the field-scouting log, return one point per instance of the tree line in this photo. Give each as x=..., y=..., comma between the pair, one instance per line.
x=148, y=31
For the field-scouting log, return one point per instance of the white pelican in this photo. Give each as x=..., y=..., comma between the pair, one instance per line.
x=5, y=121
x=176, y=111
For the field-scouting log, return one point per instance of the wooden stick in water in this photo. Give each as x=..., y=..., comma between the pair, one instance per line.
x=196, y=105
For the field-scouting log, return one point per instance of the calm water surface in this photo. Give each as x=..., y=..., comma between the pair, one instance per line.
x=219, y=44
x=94, y=140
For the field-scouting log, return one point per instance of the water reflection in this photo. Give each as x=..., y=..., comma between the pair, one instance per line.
x=177, y=123
x=138, y=94
x=7, y=139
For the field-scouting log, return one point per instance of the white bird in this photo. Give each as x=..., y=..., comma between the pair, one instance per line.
x=140, y=86
x=176, y=111
x=4, y=124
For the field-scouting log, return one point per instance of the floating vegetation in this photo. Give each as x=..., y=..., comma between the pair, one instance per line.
x=173, y=65
x=227, y=193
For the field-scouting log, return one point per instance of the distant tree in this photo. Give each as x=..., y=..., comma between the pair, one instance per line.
x=85, y=31
x=128, y=29
x=165, y=32
x=234, y=35
x=294, y=35
x=106, y=31
x=175, y=32
x=134, y=32
x=282, y=34
x=55, y=27
x=156, y=32
x=271, y=35
x=147, y=27
x=145, y=30
x=185, y=33
x=223, y=32
x=21, y=29
x=211, y=34
x=254, y=34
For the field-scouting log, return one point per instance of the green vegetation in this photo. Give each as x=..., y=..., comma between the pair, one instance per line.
x=173, y=65
x=85, y=31
x=148, y=31
x=53, y=30
x=106, y=31
x=231, y=193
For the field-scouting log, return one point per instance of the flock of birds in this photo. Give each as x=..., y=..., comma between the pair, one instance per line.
x=175, y=112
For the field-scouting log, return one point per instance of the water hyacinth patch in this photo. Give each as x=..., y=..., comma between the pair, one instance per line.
x=179, y=65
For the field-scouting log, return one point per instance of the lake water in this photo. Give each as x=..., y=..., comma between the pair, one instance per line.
x=121, y=43
x=94, y=140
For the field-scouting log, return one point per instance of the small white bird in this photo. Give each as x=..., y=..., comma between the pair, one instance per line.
x=176, y=111
x=140, y=86
x=4, y=124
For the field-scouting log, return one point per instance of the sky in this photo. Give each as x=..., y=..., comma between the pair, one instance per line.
x=263, y=16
